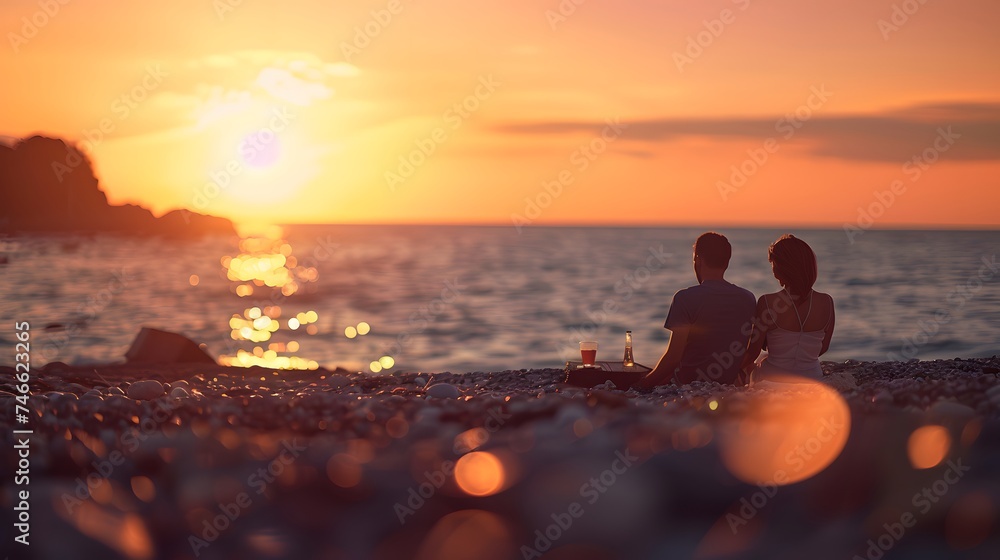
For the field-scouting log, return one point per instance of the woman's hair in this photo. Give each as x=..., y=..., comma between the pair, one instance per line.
x=794, y=264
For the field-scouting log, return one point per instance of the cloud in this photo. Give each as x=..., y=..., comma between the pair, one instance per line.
x=301, y=78
x=287, y=85
x=891, y=136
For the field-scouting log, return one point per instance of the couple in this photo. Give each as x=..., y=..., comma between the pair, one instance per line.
x=717, y=332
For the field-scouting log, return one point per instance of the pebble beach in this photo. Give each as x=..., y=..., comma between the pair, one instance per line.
x=205, y=461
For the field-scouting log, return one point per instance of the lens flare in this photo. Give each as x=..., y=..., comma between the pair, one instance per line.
x=468, y=534
x=928, y=446
x=791, y=430
x=479, y=473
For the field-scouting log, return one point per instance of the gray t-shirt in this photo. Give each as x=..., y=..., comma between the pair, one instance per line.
x=719, y=316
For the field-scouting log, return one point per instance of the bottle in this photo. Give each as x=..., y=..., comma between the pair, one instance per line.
x=628, y=360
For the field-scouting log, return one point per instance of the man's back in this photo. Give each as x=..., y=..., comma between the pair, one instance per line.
x=718, y=316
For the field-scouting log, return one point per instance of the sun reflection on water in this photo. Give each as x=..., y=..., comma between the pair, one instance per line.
x=266, y=270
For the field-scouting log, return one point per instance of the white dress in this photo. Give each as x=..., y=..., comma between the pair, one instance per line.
x=793, y=352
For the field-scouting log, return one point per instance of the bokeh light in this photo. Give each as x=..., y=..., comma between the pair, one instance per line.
x=344, y=470
x=468, y=534
x=790, y=431
x=143, y=488
x=470, y=439
x=970, y=520
x=479, y=473
x=928, y=446
x=265, y=266
x=397, y=427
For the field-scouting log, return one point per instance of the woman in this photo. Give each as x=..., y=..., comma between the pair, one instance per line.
x=794, y=325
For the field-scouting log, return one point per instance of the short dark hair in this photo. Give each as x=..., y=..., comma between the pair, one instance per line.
x=714, y=249
x=794, y=264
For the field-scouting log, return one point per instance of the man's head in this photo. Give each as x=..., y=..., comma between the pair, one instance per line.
x=712, y=252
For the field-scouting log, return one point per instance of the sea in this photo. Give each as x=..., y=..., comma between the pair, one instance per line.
x=472, y=298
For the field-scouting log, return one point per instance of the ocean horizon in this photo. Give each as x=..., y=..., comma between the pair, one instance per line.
x=465, y=298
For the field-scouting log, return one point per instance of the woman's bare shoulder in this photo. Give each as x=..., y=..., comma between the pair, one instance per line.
x=764, y=299
x=825, y=300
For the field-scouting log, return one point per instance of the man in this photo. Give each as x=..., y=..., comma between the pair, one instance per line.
x=709, y=324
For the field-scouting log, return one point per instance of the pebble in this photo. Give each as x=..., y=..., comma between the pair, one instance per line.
x=145, y=390
x=530, y=412
x=883, y=397
x=443, y=391
x=54, y=367
x=950, y=409
x=842, y=381
x=338, y=381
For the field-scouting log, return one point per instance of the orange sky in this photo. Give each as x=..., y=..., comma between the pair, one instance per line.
x=311, y=104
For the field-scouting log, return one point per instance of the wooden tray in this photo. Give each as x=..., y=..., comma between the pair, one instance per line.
x=623, y=377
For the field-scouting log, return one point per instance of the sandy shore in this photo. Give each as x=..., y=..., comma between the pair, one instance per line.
x=215, y=462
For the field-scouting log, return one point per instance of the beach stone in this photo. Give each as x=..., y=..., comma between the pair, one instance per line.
x=77, y=388
x=179, y=392
x=608, y=385
x=951, y=409
x=57, y=396
x=569, y=414
x=841, y=381
x=420, y=381
x=443, y=391
x=153, y=346
x=55, y=367
x=883, y=397
x=145, y=390
x=338, y=381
